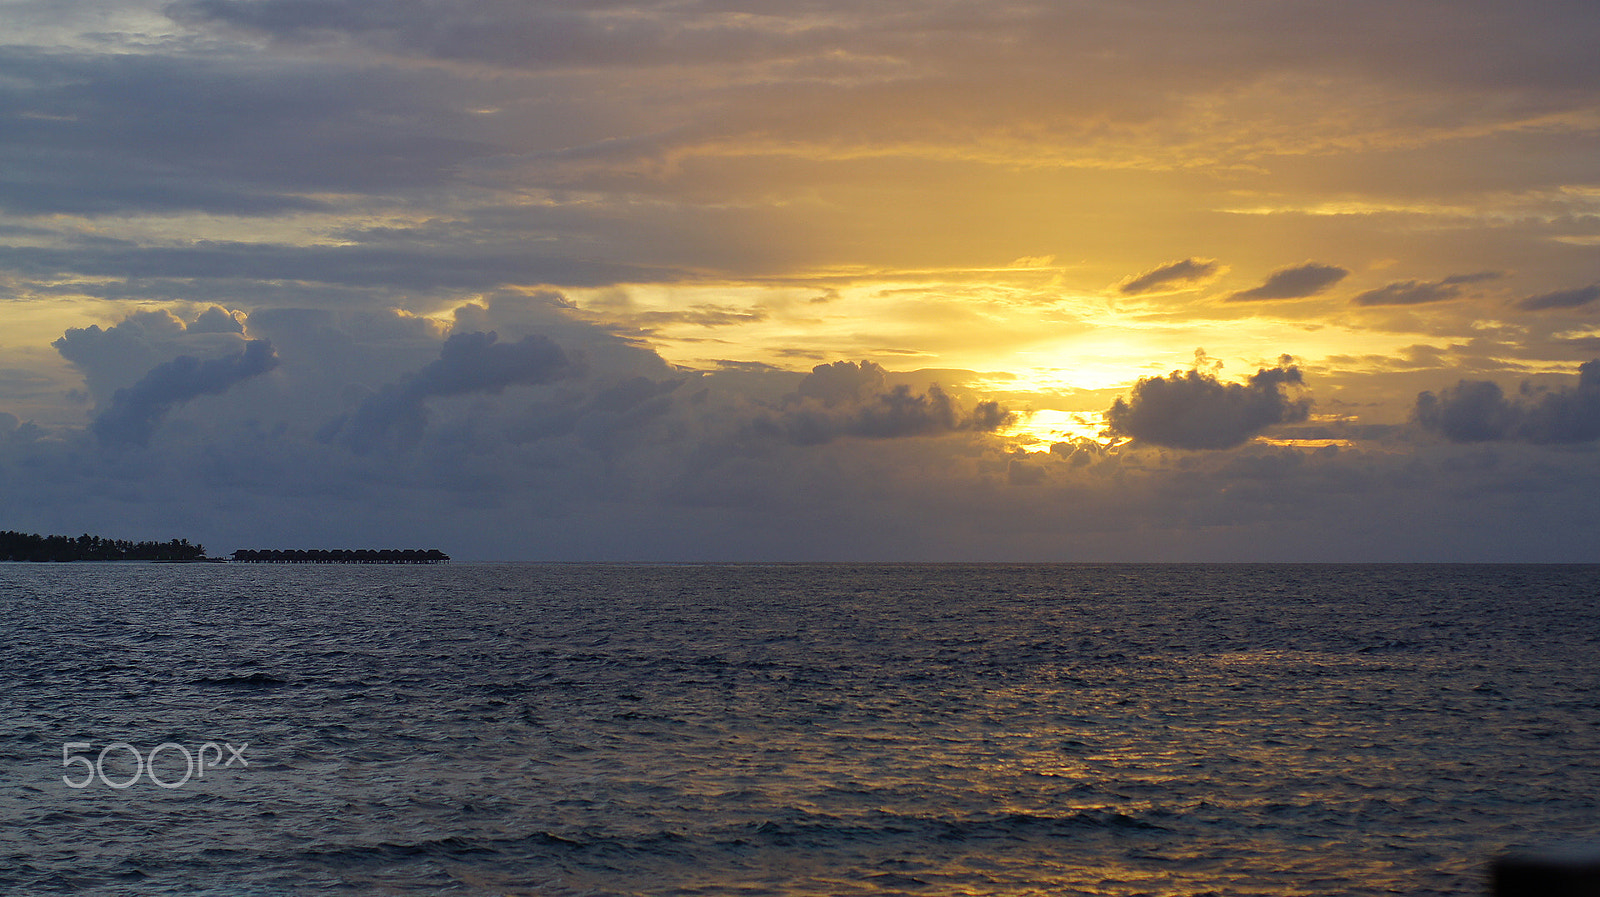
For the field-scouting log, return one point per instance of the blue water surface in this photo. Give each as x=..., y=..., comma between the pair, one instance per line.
x=791, y=729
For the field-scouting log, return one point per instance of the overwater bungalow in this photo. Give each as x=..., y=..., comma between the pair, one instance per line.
x=340, y=556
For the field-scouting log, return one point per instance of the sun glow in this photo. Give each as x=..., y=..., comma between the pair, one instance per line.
x=1059, y=357
x=1037, y=431
x=1067, y=386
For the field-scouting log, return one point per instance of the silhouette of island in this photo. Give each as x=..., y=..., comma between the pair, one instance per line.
x=15, y=546
x=340, y=556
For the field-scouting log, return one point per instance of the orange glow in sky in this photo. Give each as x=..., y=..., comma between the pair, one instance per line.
x=1272, y=232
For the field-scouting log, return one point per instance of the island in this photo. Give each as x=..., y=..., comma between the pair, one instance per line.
x=15, y=546
x=340, y=556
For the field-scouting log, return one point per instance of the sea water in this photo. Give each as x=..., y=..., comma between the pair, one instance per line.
x=788, y=730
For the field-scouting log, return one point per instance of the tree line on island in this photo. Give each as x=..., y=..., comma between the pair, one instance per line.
x=15, y=546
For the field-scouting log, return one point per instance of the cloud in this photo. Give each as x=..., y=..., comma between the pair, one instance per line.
x=167, y=132
x=468, y=363
x=523, y=35
x=599, y=347
x=844, y=381
x=1413, y=292
x=700, y=315
x=85, y=346
x=850, y=399
x=435, y=266
x=640, y=470
x=1185, y=274
x=136, y=410
x=1478, y=411
x=1561, y=299
x=117, y=356
x=1296, y=282
x=1225, y=41
x=1194, y=410
x=218, y=320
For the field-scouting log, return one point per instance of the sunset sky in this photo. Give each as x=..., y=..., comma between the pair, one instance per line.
x=692, y=280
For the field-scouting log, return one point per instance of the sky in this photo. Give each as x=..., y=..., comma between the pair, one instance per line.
x=688, y=280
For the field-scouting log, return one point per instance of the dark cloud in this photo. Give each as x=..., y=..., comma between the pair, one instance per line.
x=1297, y=282
x=988, y=416
x=478, y=362
x=432, y=267
x=136, y=410
x=603, y=349
x=844, y=381
x=150, y=132
x=1175, y=275
x=850, y=399
x=468, y=363
x=1562, y=299
x=1478, y=411
x=607, y=422
x=525, y=35
x=1414, y=292
x=1486, y=45
x=1194, y=410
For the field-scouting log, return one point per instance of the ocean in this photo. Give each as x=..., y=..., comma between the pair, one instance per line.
x=210, y=729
